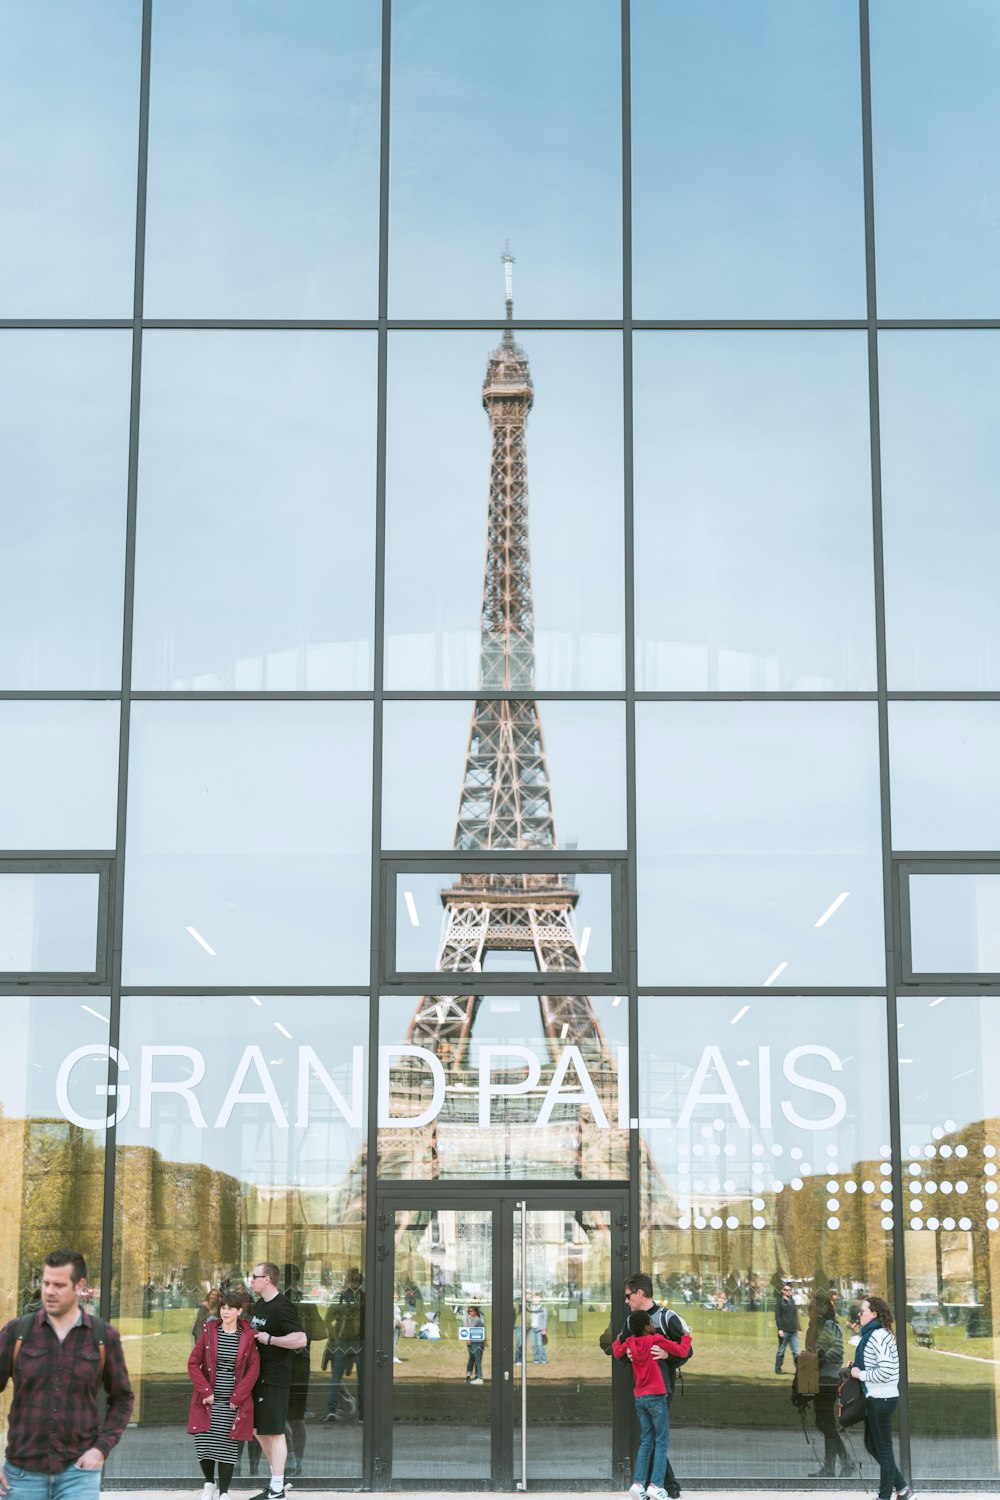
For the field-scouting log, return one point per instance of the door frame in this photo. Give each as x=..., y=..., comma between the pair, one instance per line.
x=502, y=1201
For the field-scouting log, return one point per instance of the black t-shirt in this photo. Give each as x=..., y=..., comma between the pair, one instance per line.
x=275, y=1318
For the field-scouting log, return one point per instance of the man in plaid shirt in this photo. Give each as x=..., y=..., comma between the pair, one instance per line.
x=56, y=1441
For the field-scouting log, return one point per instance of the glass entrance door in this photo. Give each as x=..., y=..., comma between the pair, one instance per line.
x=491, y=1308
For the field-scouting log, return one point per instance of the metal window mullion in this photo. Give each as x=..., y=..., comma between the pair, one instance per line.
x=368, y=1459
x=628, y=496
x=117, y=894
x=888, y=896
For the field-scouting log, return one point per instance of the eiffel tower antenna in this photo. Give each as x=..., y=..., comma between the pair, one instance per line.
x=505, y=801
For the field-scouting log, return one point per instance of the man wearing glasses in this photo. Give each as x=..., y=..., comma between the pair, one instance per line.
x=279, y=1333
x=786, y=1318
x=639, y=1298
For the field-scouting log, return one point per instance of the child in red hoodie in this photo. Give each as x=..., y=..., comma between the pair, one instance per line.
x=650, y=1403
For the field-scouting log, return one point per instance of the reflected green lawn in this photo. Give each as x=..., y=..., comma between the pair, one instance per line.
x=729, y=1382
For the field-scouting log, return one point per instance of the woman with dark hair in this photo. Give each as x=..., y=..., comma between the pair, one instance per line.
x=825, y=1335
x=876, y=1362
x=224, y=1365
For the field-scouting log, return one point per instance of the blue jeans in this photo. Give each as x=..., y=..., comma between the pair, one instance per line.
x=538, y=1354
x=654, y=1433
x=71, y=1484
x=779, y=1358
x=341, y=1354
x=878, y=1420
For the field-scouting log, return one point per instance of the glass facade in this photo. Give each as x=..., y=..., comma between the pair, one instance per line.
x=499, y=693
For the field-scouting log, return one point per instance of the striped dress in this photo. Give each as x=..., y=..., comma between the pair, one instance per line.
x=216, y=1442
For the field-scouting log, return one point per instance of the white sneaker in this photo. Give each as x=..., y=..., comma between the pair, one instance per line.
x=637, y=1492
x=207, y=1490
x=653, y=1493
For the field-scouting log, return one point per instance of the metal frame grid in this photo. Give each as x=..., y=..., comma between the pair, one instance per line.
x=101, y=865
x=905, y=865
x=381, y=325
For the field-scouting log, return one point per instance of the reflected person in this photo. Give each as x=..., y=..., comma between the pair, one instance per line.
x=786, y=1318
x=345, y=1326
x=538, y=1323
x=476, y=1324
x=825, y=1335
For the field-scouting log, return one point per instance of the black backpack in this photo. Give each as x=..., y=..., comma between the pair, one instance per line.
x=660, y=1319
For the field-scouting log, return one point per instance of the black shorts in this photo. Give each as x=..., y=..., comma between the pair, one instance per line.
x=270, y=1409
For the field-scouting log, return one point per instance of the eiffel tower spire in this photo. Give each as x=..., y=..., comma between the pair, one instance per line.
x=505, y=801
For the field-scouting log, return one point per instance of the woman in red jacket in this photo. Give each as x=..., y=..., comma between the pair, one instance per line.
x=224, y=1365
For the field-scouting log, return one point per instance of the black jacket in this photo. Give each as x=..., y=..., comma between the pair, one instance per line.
x=786, y=1316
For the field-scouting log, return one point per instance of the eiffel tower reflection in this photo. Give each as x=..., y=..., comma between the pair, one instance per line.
x=506, y=796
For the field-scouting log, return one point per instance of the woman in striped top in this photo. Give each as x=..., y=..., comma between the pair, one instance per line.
x=223, y=1366
x=876, y=1362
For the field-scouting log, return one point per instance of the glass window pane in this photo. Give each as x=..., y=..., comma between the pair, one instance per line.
x=64, y=429
x=69, y=115
x=944, y=766
x=256, y=511
x=241, y=1139
x=58, y=775
x=439, y=1253
x=759, y=848
x=765, y=1156
x=560, y=497
x=955, y=923
x=249, y=844
x=263, y=160
x=479, y=923
x=52, y=1125
x=753, y=512
x=739, y=212
x=940, y=460
x=505, y=125
x=936, y=146
x=950, y=1123
x=503, y=1086
x=441, y=781
x=48, y=922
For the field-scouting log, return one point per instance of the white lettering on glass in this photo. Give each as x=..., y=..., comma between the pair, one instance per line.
x=386, y=1119
x=252, y=1057
x=813, y=1086
x=488, y=1090
x=623, y=1095
x=147, y=1087
x=764, y=1078
x=122, y=1090
x=310, y=1064
x=712, y=1085
x=712, y=1058
x=586, y=1093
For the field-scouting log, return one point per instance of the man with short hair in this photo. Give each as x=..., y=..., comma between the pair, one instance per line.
x=279, y=1333
x=59, y=1357
x=639, y=1298
x=345, y=1326
x=786, y=1317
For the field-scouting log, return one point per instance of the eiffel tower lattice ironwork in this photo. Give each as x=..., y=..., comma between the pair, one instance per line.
x=506, y=798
